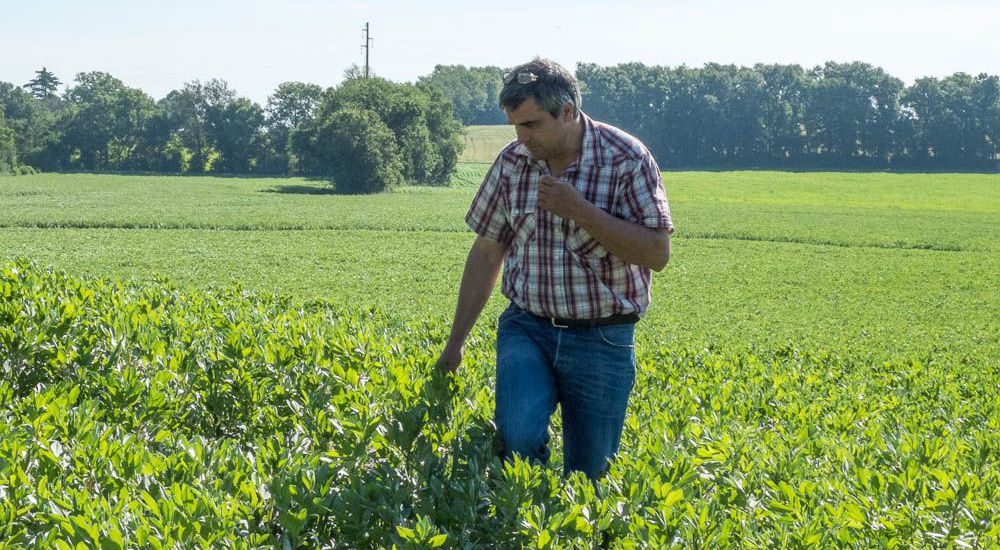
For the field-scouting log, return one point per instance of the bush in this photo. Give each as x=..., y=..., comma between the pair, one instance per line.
x=418, y=118
x=360, y=151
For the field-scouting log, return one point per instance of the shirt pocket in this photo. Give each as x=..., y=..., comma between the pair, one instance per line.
x=523, y=214
x=523, y=223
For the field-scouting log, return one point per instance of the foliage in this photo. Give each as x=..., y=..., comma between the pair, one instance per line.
x=238, y=136
x=838, y=115
x=8, y=151
x=950, y=119
x=157, y=417
x=103, y=123
x=293, y=103
x=34, y=123
x=474, y=92
x=833, y=116
x=360, y=151
x=419, y=119
x=44, y=85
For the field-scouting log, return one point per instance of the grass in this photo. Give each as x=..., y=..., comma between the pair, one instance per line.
x=483, y=142
x=879, y=210
x=876, y=264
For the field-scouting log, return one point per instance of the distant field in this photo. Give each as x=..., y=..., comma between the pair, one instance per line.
x=879, y=263
x=482, y=143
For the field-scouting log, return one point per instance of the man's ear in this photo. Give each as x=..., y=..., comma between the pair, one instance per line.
x=567, y=112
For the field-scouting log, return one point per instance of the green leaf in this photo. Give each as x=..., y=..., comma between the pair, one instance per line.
x=406, y=533
x=673, y=497
x=544, y=538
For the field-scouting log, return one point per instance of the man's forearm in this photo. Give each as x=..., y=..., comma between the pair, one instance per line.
x=633, y=243
x=481, y=271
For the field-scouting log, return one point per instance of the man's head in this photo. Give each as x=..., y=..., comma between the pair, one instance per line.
x=542, y=101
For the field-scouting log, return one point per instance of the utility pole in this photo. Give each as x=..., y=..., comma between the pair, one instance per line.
x=367, y=48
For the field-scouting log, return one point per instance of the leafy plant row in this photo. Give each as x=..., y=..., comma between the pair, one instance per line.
x=158, y=417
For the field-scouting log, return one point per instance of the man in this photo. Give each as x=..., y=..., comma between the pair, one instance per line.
x=576, y=213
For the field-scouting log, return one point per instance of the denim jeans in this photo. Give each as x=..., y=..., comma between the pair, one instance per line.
x=588, y=371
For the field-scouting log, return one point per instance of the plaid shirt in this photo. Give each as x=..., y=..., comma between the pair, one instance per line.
x=553, y=267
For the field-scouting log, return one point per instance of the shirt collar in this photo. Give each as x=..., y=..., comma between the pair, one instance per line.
x=591, y=152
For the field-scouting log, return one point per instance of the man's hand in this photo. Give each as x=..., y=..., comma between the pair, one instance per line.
x=450, y=358
x=560, y=198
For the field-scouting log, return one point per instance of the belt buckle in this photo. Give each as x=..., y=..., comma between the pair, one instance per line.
x=557, y=325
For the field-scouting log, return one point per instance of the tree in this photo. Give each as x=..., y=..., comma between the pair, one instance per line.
x=44, y=85
x=354, y=71
x=419, y=118
x=474, y=92
x=8, y=152
x=359, y=150
x=33, y=123
x=212, y=125
x=955, y=120
x=290, y=105
x=184, y=112
x=239, y=136
x=445, y=132
x=783, y=109
x=851, y=112
x=105, y=122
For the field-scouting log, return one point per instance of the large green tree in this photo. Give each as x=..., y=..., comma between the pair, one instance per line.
x=783, y=106
x=8, y=151
x=956, y=120
x=104, y=123
x=183, y=112
x=474, y=92
x=359, y=151
x=239, y=136
x=33, y=121
x=419, y=117
x=851, y=113
x=291, y=104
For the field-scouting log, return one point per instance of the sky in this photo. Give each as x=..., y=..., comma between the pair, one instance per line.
x=257, y=44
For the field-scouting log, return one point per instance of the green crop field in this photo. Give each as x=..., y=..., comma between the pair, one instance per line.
x=483, y=142
x=245, y=363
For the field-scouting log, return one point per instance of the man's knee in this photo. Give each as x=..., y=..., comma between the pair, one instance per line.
x=529, y=444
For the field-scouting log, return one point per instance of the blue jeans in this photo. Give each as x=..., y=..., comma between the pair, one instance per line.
x=588, y=371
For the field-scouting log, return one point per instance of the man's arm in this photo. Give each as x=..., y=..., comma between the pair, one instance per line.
x=480, y=276
x=632, y=242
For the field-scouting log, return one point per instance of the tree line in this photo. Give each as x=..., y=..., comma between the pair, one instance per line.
x=366, y=134
x=834, y=116
x=369, y=134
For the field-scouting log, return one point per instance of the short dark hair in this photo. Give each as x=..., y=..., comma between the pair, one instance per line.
x=551, y=86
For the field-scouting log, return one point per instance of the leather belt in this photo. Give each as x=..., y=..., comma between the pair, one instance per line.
x=616, y=319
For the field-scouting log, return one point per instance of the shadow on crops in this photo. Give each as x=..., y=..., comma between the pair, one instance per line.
x=301, y=190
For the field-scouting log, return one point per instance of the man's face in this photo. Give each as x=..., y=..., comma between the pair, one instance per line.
x=543, y=134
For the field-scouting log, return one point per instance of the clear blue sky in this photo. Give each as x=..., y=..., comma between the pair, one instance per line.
x=257, y=44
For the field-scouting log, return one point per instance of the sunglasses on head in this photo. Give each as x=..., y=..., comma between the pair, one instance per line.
x=522, y=78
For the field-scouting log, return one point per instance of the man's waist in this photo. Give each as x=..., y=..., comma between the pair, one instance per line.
x=615, y=319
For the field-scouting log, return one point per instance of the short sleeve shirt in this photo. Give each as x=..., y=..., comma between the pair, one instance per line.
x=553, y=267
